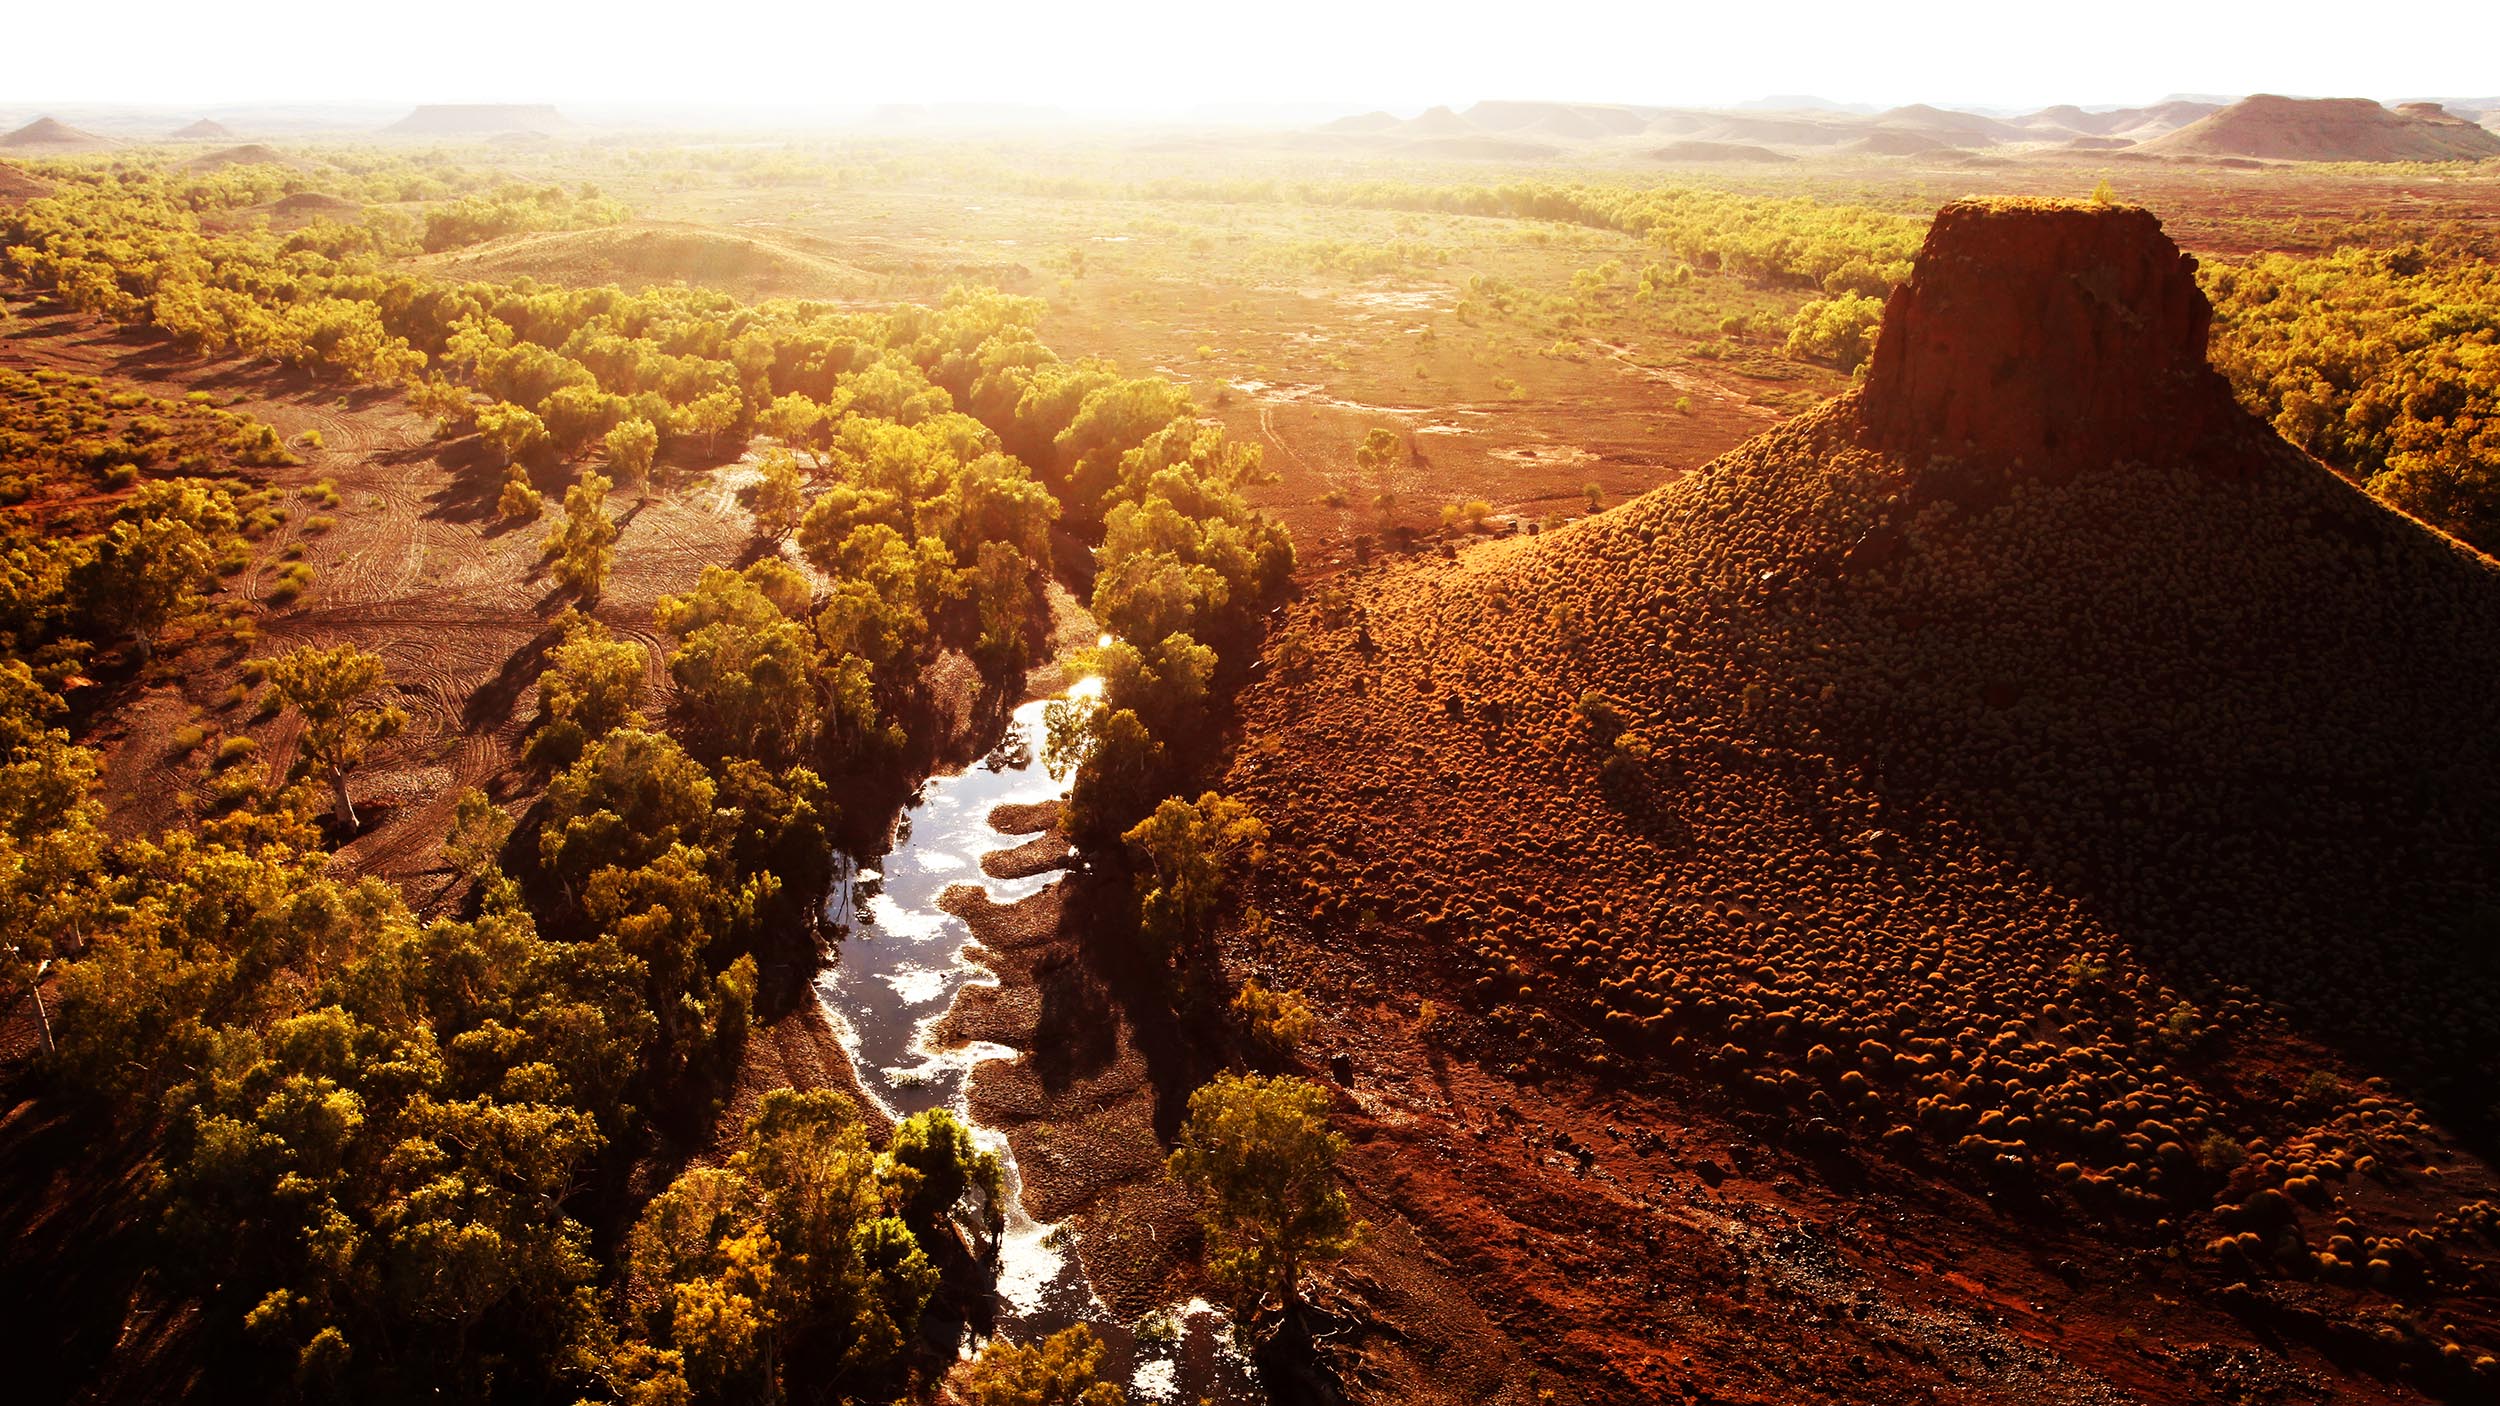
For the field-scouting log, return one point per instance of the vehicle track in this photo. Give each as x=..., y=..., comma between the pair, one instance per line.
x=455, y=601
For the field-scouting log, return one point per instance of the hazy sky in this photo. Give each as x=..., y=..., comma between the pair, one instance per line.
x=1173, y=55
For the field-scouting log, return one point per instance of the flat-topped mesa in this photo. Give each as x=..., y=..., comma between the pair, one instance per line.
x=2044, y=332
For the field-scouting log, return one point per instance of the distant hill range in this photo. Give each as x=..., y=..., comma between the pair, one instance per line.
x=204, y=130
x=2180, y=128
x=480, y=120
x=2331, y=129
x=1770, y=128
x=46, y=135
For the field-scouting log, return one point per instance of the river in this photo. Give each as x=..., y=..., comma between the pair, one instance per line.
x=901, y=960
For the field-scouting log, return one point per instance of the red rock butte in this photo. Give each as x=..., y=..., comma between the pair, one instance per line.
x=2045, y=333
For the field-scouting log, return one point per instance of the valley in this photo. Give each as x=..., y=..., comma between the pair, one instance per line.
x=1541, y=752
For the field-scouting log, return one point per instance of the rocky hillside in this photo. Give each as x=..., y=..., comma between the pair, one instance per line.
x=2027, y=766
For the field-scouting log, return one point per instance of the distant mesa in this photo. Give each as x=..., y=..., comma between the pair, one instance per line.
x=479, y=120
x=1698, y=153
x=2130, y=123
x=46, y=134
x=1773, y=129
x=1783, y=131
x=204, y=130
x=2273, y=128
x=2071, y=118
x=2263, y=128
x=1491, y=131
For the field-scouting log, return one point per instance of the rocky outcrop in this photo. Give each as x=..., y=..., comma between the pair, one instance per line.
x=2041, y=332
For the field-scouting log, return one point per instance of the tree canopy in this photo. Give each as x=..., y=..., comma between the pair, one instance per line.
x=1258, y=1154
x=329, y=690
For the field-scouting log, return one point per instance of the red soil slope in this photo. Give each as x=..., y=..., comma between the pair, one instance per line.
x=2026, y=774
x=16, y=185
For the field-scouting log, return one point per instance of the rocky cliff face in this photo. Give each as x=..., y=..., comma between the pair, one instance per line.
x=2041, y=333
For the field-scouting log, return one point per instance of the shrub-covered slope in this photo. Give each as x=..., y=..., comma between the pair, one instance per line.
x=2027, y=761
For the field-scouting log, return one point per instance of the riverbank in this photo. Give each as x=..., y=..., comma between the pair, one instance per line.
x=1085, y=1105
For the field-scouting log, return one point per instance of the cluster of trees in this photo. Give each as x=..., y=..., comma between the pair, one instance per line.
x=374, y=1130
x=148, y=564
x=1182, y=564
x=2384, y=363
x=364, y=176
x=866, y=405
x=809, y=1245
x=365, y=1127
x=371, y=1130
x=66, y=438
x=514, y=208
x=1795, y=241
x=1840, y=330
x=927, y=518
x=106, y=572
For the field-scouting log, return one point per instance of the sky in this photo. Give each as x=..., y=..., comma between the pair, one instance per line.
x=1121, y=56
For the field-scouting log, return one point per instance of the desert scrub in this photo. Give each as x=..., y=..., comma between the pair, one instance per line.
x=1274, y=1022
x=291, y=583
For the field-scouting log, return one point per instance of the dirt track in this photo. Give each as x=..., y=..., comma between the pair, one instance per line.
x=414, y=566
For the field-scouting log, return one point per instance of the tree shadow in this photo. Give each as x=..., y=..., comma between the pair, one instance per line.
x=473, y=492
x=1076, y=1034
x=1098, y=923
x=82, y=1249
x=497, y=700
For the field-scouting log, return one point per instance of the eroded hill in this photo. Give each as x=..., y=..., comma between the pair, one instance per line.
x=2026, y=768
